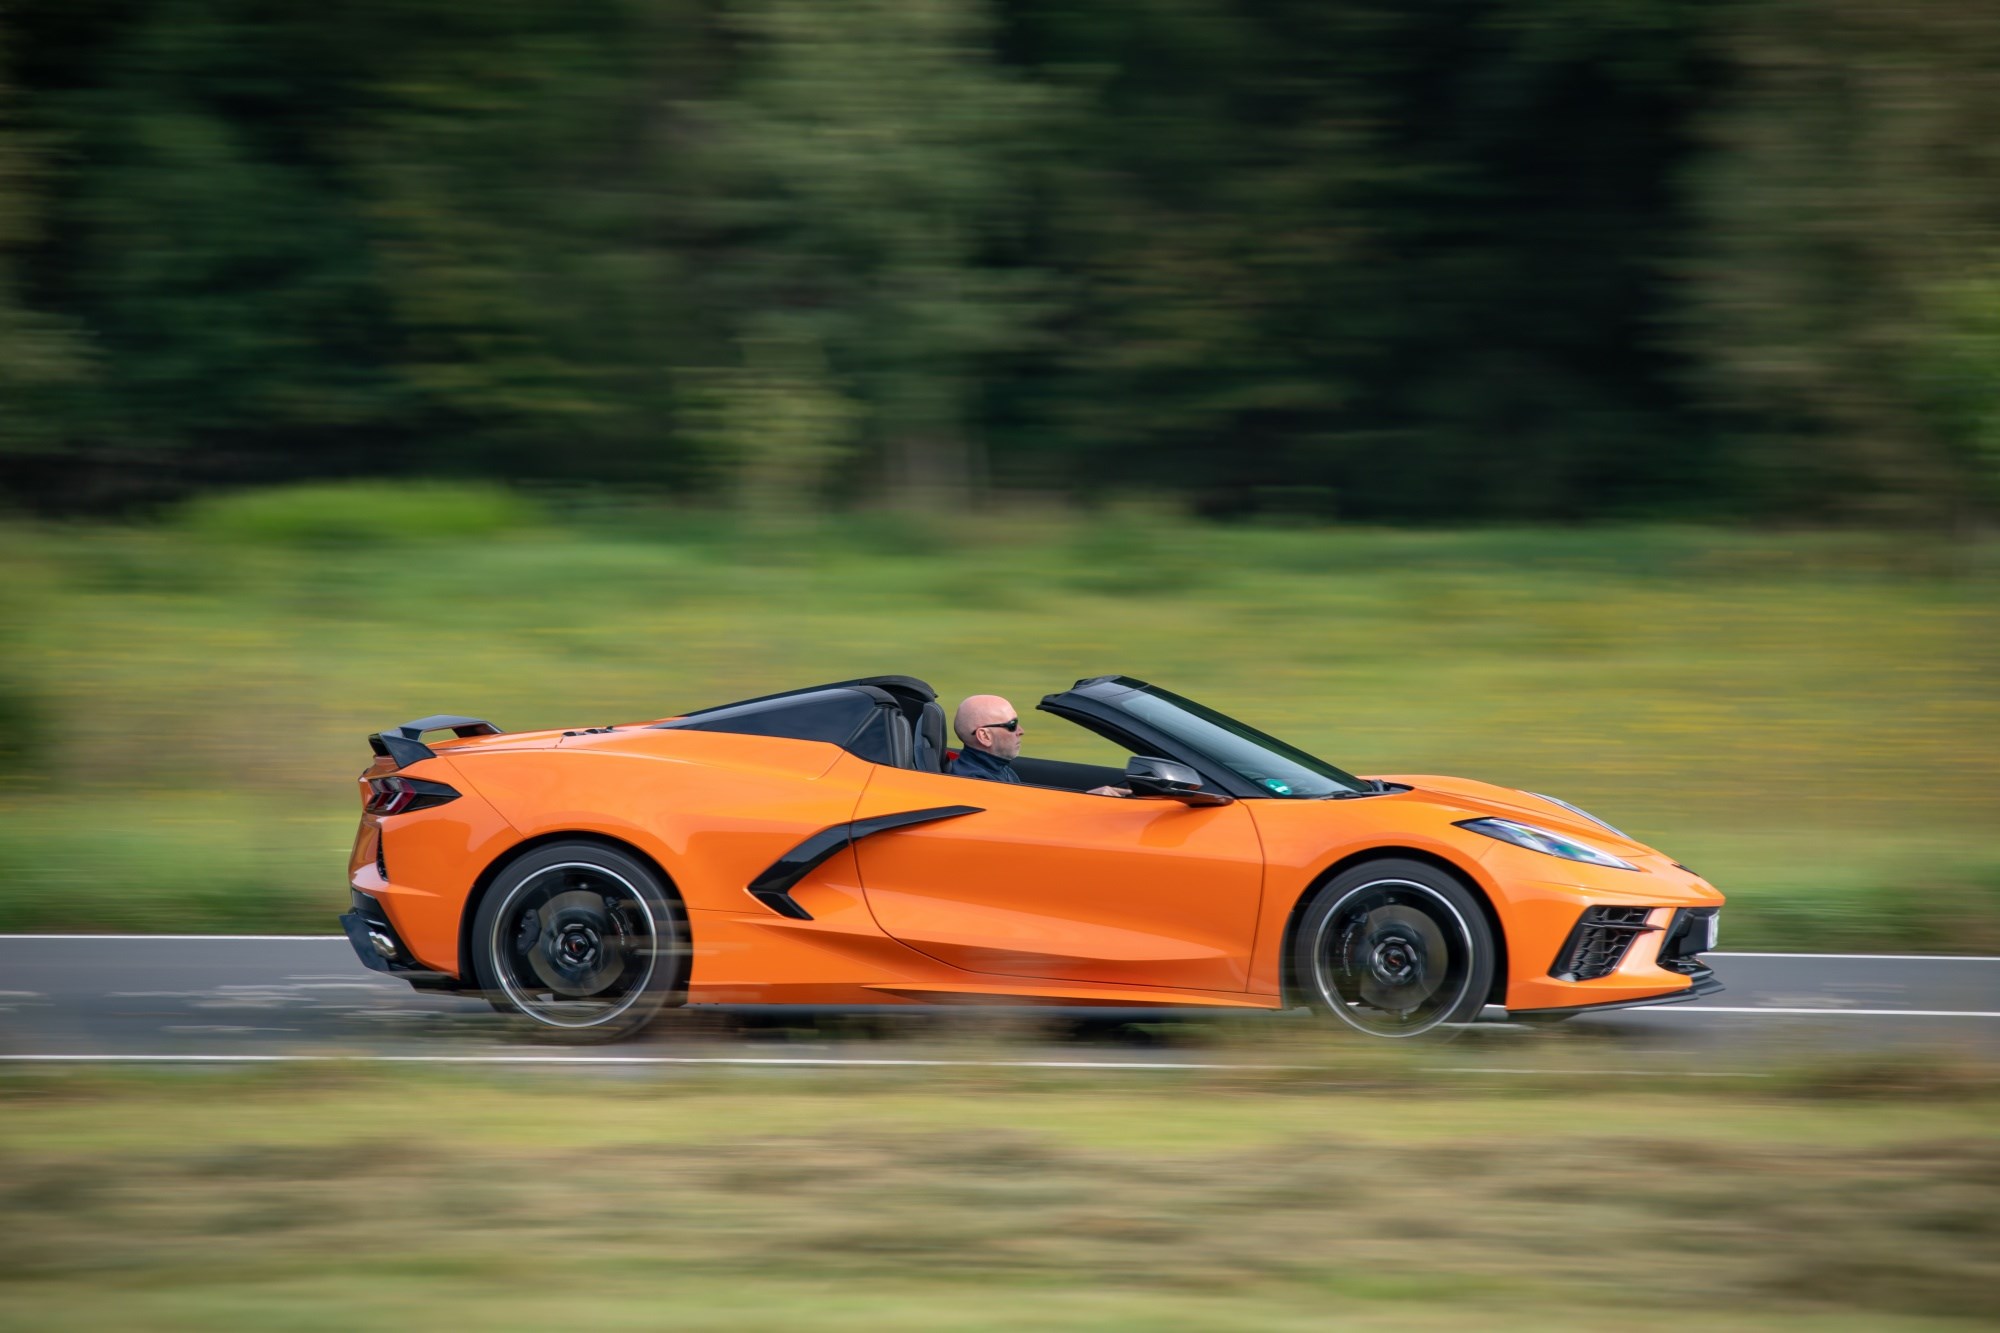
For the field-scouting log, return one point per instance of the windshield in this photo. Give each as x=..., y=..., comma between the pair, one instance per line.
x=1278, y=768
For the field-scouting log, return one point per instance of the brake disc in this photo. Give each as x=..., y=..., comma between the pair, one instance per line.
x=581, y=949
x=1400, y=958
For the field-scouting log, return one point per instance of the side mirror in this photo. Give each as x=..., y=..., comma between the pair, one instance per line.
x=1167, y=778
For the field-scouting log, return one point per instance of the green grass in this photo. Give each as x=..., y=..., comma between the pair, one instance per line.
x=1811, y=720
x=977, y=1200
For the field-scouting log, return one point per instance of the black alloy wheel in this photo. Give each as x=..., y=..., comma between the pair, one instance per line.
x=582, y=941
x=1395, y=949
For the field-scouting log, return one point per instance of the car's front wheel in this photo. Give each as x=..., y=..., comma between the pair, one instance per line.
x=581, y=940
x=1395, y=949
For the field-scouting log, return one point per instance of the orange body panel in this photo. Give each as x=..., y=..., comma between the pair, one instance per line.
x=1066, y=886
x=1304, y=839
x=711, y=809
x=1541, y=909
x=433, y=857
x=1045, y=895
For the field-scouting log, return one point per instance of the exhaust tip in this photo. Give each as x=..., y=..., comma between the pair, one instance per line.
x=382, y=944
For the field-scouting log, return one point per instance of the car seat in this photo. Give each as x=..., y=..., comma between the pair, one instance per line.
x=930, y=738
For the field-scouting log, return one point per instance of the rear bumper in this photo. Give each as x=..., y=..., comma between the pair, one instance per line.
x=381, y=949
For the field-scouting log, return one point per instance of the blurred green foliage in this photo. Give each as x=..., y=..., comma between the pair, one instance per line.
x=1811, y=721
x=372, y=512
x=41, y=359
x=1842, y=294
x=1357, y=1188
x=23, y=731
x=1515, y=259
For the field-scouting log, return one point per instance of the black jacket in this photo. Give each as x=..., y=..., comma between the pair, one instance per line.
x=979, y=764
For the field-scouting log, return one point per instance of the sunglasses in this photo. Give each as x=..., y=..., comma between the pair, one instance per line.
x=1011, y=724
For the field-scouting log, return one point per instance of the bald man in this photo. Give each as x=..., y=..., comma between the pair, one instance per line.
x=989, y=734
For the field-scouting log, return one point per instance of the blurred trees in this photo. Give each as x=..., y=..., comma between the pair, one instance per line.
x=867, y=175
x=37, y=357
x=1846, y=300
x=1480, y=258
x=1378, y=258
x=203, y=240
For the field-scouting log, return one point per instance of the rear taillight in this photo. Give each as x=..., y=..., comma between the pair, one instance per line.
x=395, y=796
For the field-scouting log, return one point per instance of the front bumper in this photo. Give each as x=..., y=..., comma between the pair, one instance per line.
x=1668, y=946
x=1542, y=902
x=381, y=949
x=1700, y=984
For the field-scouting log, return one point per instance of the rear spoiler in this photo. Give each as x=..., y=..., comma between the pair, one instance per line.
x=404, y=744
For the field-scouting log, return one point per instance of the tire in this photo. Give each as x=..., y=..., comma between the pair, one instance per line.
x=1395, y=949
x=583, y=943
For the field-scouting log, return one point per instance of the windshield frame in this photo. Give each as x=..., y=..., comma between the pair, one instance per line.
x=1235, y=756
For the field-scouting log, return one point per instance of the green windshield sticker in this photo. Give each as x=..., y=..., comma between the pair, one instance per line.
x=1280, y=787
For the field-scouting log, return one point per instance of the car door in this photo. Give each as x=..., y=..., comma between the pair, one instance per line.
x=1062, y=885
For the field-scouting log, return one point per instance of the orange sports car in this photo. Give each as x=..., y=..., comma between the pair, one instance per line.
x=812, y=847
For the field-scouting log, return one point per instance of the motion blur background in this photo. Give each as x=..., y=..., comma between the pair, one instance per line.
x=1600, y=397
x=1472, y=260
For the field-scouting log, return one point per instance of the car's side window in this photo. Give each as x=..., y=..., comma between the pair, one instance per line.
x=1065, y=757
x=1064, y=775
x=1058, y=739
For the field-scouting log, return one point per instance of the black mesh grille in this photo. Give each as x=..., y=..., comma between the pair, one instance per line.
x=1599, y=942
x=381, y=860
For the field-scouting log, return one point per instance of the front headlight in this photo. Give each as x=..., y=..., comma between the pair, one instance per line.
x=1541, y=840
x=1583, y=814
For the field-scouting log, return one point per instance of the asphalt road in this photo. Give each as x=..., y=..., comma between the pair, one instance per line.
x=251, y=998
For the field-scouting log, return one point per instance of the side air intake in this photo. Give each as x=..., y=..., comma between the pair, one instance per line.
x=1599, y=942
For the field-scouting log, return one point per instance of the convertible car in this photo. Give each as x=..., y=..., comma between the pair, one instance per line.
x=812, y=847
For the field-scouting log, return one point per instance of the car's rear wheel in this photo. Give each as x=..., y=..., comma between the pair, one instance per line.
x=1395, y=949
x=580, y=940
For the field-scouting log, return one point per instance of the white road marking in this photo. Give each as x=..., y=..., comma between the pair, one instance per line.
x=1622, y=1073
x=825, y=1061
x=1878, y=957
x=212, y=1029
x=1824, y=1012
x=173, y=937
x=311, y=1058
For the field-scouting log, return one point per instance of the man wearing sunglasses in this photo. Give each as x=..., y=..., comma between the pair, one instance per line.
x=989, y=733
